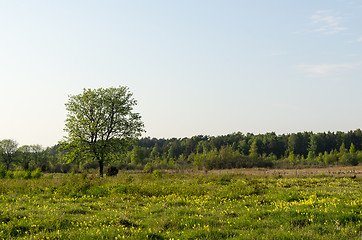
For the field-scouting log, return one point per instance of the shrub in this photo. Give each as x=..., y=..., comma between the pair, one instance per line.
x=18, y=174
x=27, y=174
x=112, y=171
x=36, y=173
x=148, y=168
x=157, y=173
x=10, y=174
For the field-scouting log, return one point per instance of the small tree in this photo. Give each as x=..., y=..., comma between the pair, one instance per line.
x=25, y=156
x=292, y=159
x=98, y=122
x=253, y=152
x=32, y=156
x=137, y=155
x=38, y=155
x=353, y=155
x=8, y=149
x=155, y=153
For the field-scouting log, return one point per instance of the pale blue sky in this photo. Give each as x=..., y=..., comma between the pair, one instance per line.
x=195, y=67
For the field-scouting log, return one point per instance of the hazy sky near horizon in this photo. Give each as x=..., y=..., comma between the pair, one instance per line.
x=196, y=67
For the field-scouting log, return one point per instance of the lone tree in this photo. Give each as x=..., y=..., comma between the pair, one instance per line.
x=100, y=121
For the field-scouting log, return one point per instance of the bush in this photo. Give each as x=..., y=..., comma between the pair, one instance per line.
x=18, y=174
x=157, y=173
x=27, y=174
x=10, y=174
x=112, y=171
x=36, y=173
x=148, y=168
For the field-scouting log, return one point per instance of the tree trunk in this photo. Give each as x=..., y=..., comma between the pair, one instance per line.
x=100, y=167
x=7, y=163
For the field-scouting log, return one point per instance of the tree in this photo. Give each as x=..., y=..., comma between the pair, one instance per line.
x=155, y=153
x=313, y=144
x=8, y=149
x=243, y=147
x=298, y=143
x=254, y=150
x=171, y=153
x=25, y=156
x=292, y=159
x=98, y=122
x=353, y=155
x=137, y=155
x=38, y=156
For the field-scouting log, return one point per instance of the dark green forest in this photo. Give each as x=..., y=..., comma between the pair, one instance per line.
x=236, y=150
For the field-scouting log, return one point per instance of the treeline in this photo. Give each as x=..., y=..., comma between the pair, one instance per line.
x=235, y=150
x=29, y=158
x=240, y=150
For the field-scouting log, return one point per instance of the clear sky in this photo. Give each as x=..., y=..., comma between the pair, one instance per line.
x=196, y=67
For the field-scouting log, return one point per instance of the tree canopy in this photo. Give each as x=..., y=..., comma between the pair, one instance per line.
x=98, y=122
x=8, y=149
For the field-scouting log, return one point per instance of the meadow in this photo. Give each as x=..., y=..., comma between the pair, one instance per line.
x=181, y=206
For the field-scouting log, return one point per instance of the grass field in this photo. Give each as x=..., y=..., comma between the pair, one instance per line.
x=175, y=206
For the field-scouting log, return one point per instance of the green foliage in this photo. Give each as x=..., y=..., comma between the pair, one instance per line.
x=155, y=153
x=137, y=155
x=99, y=122
x=36, y=173
x=2, y=171
x=199, y=161
x=23, y=174
x=148, y=168
x=20, y=174
x=200, y=152
x=298, y=143
x=257, y=150
x=157, y=173
x=292, y=158
x=254, y=150
x=352, y=149
x=244, y=147
x=8, y=149
x=359, y=158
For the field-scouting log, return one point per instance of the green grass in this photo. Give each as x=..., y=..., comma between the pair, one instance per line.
x=171, y=206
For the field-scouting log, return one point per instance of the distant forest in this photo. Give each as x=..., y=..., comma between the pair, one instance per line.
x=236, y=150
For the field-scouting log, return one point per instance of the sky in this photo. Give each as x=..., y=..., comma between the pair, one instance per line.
x=201, y=67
